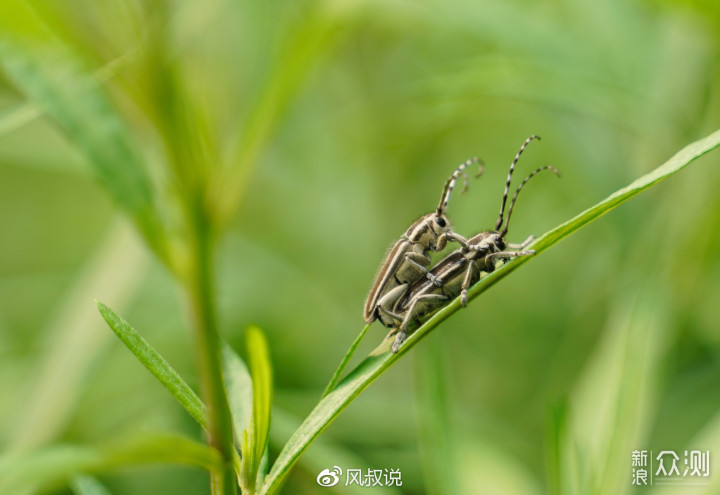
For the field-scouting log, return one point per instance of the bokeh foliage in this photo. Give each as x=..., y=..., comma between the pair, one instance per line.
x=319, y=131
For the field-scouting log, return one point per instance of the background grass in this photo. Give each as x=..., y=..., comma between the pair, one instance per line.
x=325, y=129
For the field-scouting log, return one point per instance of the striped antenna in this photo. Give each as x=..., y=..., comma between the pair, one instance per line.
x=509, y=178
x=522, y=184
x=450, y=184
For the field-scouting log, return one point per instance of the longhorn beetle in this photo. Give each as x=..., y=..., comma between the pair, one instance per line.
x=461, y=268
x=409, y=258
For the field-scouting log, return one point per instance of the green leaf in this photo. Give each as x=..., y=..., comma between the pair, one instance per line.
x=555, y=432
x=155, y=364
x=87, y=485
x=161, y=369
x=72, y=341
x=616, y=395
x=239, y=387
x=47, y=466
x=255, y=442
x=708, y=438
x=381, y=359
x=14, y=119
x=56, y=80
x=303, y=47
x=325, y=454
x=437, y=440
x=345, y=360
x=166, y=448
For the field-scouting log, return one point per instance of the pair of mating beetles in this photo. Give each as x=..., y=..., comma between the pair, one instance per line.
x=405, y=292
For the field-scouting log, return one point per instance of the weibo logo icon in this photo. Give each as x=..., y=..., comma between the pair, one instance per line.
x=329, y=478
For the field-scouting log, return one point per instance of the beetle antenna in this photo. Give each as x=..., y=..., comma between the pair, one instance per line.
x=509, y=178
x=517, y=192
x=450, y=184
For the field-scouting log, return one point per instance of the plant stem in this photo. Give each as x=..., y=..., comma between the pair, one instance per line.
x=201, y=291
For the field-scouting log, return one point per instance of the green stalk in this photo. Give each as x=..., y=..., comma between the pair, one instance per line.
x=209, y=354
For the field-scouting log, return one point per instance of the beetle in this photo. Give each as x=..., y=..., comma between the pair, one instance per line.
x=409, y=258
x=460, y=269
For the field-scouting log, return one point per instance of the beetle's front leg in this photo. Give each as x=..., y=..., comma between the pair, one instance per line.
x=450, y=236
x=506, y=255
x=524, y=244
x=484, y=245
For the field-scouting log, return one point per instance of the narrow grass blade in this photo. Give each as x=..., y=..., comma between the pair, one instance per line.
x=555, y=431
x=26, y=113
x=302, y=48
x=617, y=393
x=155, y=364
x=74, y=340
x=55, y=80
x=380, y=359
x=345, y=360
x=324, y=454
x=238, y=384
x=87, y=485
x=161, y=369
x=255, y=442
x=48, y=466
x=437, y=440
x=707, y=439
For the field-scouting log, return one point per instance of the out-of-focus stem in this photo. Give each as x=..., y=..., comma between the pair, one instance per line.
x=201, y=290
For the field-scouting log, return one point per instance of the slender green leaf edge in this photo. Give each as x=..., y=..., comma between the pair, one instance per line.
x=381, y=359
x=325, y=453
x=254, y=442
x=155, y=364
x=56, y=80
x=437, y=436
x=47, y=466
x=238, y=384
x=345, y=360
x=27, y=113
x=161, y=369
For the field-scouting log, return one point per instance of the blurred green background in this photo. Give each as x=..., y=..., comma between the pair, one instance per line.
x=342, y=120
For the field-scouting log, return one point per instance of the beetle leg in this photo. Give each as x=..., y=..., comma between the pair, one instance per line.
x=524, y=244
x=483, y=245
x=386, y=304
x=415, y=259
x=506, y=255
x=450, y=236
x=409, y=316
x=466, y=283
x=392, y=315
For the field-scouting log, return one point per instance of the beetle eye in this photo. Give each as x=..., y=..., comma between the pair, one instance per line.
x=440, y=221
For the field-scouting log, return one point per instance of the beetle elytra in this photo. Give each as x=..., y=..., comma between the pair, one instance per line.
x=409, y=258
x=462, y=268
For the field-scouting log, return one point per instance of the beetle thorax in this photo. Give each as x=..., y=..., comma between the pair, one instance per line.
x=426, y=231
x=485, y=243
